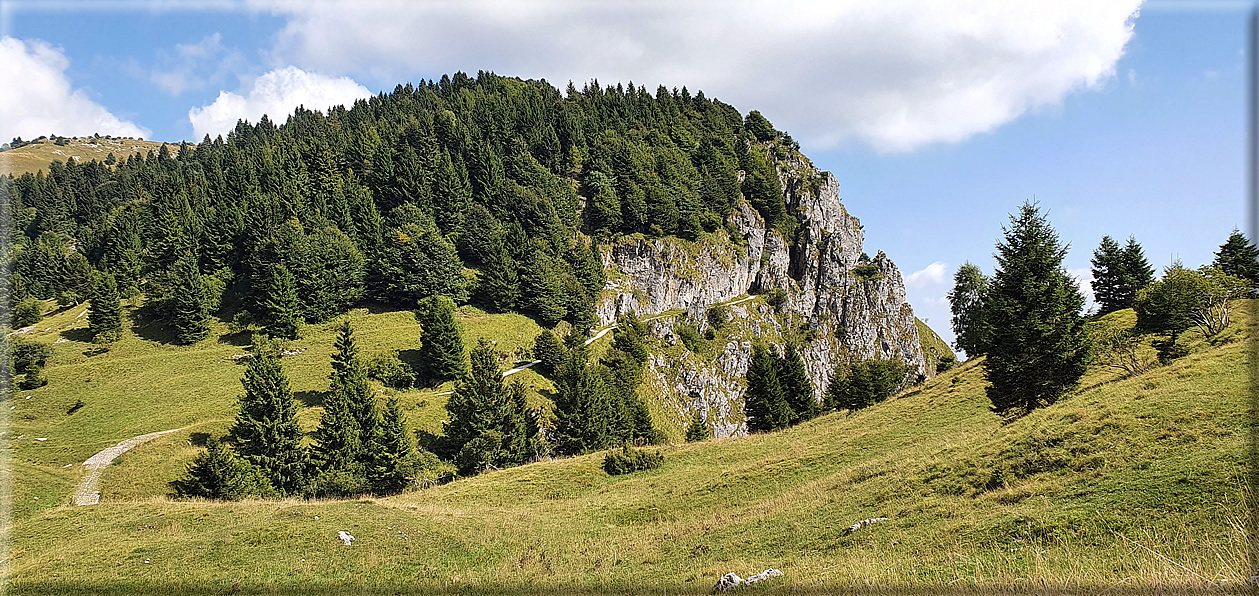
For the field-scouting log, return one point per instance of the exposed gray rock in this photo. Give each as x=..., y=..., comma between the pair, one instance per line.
x=851, y=310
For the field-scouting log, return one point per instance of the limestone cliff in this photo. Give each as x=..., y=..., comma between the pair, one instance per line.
x=839, y=307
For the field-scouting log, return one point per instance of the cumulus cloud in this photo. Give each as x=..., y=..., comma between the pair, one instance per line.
x=896, y=75
x=37, y=98
x=275, y=94
x=933, y=274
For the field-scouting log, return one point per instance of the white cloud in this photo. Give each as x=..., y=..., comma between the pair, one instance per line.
x=275, y=94
x=1084, y=277
x=894, y=74
x=37, y=98
x=935, y=273
x=197, y=65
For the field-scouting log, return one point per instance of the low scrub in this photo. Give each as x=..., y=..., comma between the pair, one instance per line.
x=627, y=460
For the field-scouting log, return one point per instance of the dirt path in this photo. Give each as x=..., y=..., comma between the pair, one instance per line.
x=87, y=493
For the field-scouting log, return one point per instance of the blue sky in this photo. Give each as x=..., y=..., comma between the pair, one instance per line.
x=1118, y=118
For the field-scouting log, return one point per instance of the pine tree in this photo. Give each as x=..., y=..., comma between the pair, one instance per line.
x=217, y=473
x=281, y=310
x=1239, y=257
x=498, y=284
x=190, y=313
x=765, y=402
x=797, y=387
x=541, y=288
x=441, y=350
x=549, y=351
x=105, y=316
x=393, y=460
x=489, y=424
x=1036, y=341
x=1109, y=276
x=698, y=430
x=266, y=431
x=966, y=300
x=836, y=389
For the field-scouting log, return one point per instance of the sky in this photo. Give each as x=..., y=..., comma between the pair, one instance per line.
x=1118, y=118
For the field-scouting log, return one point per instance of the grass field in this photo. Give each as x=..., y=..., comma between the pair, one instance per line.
x=1131, y=485
x=36, y=156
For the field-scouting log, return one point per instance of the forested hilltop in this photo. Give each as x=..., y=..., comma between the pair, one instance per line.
x=488, y=190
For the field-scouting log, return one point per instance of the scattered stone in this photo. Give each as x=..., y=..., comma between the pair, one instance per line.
x=863, y=523
x=727, y=582
x=41, y=438
x=762, y=576
x=60, y=340
x=345, y=537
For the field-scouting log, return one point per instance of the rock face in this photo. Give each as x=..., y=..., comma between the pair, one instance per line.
x=840, y=307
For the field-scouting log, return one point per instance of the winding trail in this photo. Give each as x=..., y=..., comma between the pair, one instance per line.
x=88, y=493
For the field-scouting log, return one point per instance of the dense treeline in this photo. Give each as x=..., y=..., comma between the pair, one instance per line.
x=397, y=198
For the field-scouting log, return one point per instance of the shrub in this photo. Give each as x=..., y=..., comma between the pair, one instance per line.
x=390, y=370
x=78, y=405
x=691, y=337
x=946, y=362
x=717, y=315
x=867, y=272
x=776, y=297
x=626, y=460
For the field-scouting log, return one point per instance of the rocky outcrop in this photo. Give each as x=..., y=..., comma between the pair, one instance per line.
x=842, y=307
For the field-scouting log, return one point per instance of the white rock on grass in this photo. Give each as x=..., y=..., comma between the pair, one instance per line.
x=345, y=537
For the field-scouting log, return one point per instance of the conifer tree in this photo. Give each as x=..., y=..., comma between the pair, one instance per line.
x=541, y=287
x=217, y=473
x=698, y=430
x=441, y=347
x=1108, y=276
x=489, y=424
x=1137, y=272
x=1035, y=334
x=583, y=404
x=105, y=316
x=765, y=403
x=190, y=313
x=281, y=309
x=394, y=457
x=498, y=284
x=266, y=432
x=966, y=300
x=1239, y=257
x=797, y=387
x=549, y=351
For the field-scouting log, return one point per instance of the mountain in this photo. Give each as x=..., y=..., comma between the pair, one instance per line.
x=38, y=155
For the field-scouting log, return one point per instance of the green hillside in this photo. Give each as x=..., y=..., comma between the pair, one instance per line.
x=1132, y=484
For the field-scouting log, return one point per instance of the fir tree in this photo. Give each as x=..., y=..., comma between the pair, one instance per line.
x=1108, y=276
x=966, y=300
x=583, y=405
x=541, y=288
x=105, y=316
x=190, y=313
x=498, y=284
x=797, y=387
x=489, y=424
x=1137, y=272
x=266, y=431
x=441, y=348
x=281, y=310
x=342, y=440
x=393, y=459
x=698, y=430
x=1239, y=257
x=1036, y=341
x=217, y=473
x=549, y=351
x=765, y=403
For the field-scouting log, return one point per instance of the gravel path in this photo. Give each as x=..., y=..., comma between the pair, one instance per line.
x=87, y=493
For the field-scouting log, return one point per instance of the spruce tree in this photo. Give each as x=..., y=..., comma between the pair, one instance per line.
x=441, y=348
x=765, y=403
x=583, y=404
x=266, y=432
x=489, y=424
x=698, y=430
x=341, y=441
x=280, y=307
x=105, y=316
x=1035, y=334
x=393, y=460
x=797, y=387
x=190, y=313
x=1239, y=257
x=836, y=389
x=498, y=283
x=1109, y=276
x=966, y=300
x=217, y=473
x=1137, y=272
x=541, y=287
x=549, y=351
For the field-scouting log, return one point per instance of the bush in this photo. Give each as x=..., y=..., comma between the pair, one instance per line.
x=717, y=315
x=390, y=370
x=946, y=362
x=627, y=460
x=27, y=312
x=776, y=297
x=867, y=272
x=691, y=337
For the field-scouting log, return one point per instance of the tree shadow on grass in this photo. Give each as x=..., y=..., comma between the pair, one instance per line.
x=412, y=359
x=198, y=439
x=82, y=334
x=240, y=339
x=146, y=324
x=310, y=398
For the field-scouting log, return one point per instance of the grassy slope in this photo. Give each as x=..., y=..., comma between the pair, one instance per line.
x=1079, y=494
x=36, y=156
